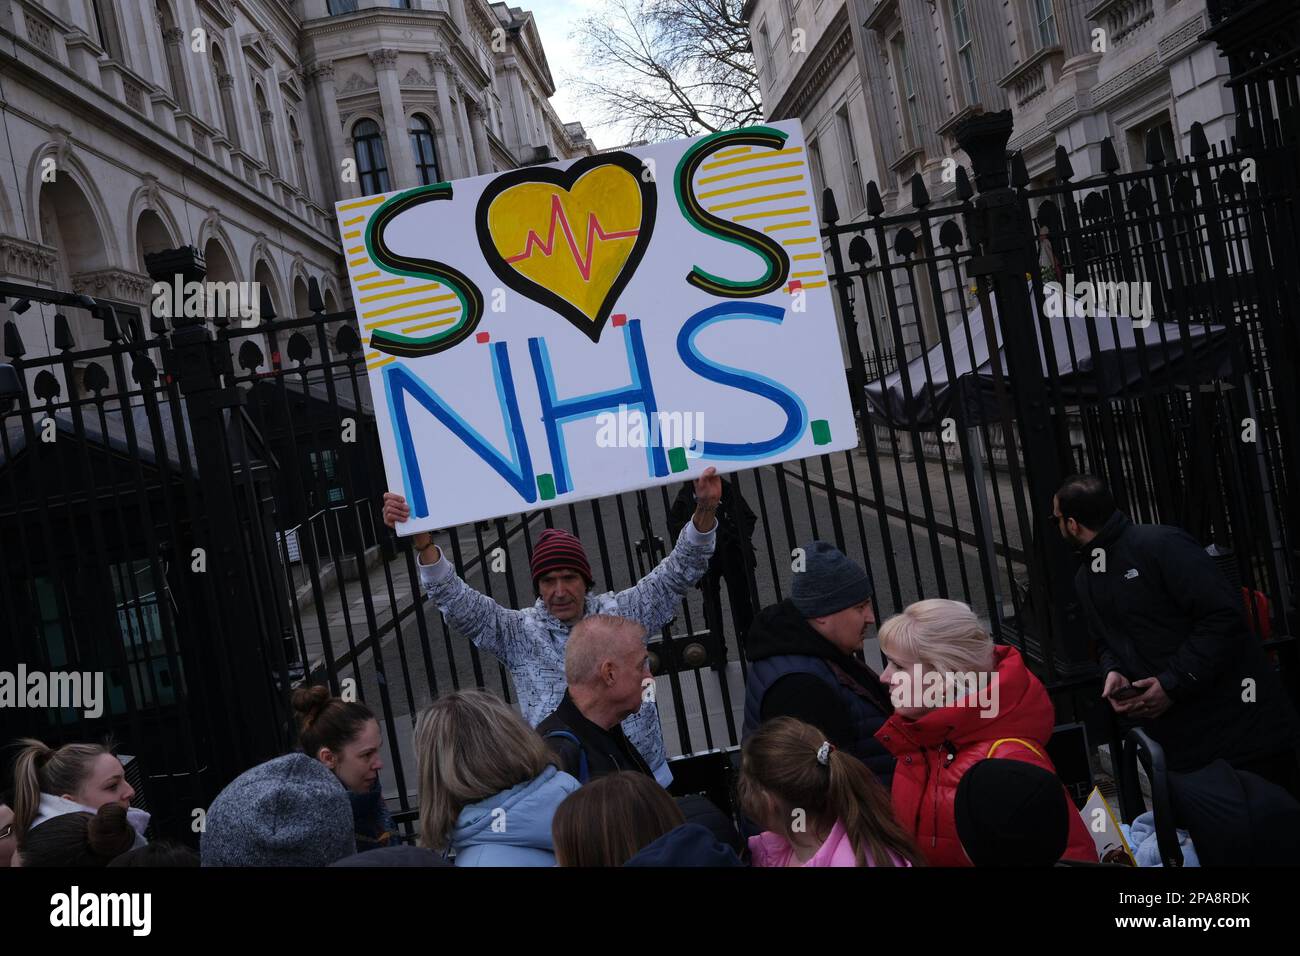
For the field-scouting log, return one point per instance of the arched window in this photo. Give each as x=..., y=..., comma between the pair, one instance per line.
x=426, y=157
x=268, y=131
x=368, y=144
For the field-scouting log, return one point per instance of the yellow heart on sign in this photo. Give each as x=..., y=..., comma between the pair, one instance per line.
x=569, y=239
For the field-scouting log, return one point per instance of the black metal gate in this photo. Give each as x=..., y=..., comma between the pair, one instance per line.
x=191, y=507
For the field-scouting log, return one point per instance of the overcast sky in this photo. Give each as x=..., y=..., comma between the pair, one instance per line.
x=556, y=19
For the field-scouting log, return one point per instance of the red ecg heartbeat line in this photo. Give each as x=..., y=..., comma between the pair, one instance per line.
x=558, y=217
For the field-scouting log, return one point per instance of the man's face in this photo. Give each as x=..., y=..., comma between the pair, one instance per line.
x=564, y=593
x=1068, y=527
x=846, y=629
x=629, y=673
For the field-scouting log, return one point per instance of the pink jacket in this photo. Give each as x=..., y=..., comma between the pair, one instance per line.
x=772, y=849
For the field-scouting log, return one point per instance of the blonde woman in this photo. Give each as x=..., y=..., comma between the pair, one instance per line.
x=74, y=778
x=488, y=786
x=958, y=699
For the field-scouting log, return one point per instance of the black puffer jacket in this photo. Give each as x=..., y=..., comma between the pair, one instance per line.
x=1162, y=608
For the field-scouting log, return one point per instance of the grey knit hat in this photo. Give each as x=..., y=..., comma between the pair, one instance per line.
x=290, y=811
x=829, y=582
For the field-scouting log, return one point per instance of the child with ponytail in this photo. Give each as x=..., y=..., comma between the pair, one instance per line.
x=50, y=783
x=818, y=806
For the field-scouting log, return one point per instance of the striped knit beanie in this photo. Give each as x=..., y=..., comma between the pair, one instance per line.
x=558, y=550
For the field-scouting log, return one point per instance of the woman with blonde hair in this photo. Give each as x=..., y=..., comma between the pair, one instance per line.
x=819, y=806
x=488, y=786
x=72, y=779
x=958, y=699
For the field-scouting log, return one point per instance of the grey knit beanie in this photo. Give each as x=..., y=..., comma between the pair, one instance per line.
x=829, y=582
x=290, y=811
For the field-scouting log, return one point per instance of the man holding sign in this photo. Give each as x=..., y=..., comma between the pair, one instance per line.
x=531, y=642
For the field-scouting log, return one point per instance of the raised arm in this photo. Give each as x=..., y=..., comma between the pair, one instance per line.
x=491, y=627
x=652, y=601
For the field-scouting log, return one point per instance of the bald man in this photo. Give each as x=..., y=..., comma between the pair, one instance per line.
x=607, y=669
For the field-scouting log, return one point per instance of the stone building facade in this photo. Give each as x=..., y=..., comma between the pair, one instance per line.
x=807, y=71
x=230, y=125
x=1071, y=71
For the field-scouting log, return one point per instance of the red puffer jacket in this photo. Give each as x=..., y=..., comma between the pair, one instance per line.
x=934, y=751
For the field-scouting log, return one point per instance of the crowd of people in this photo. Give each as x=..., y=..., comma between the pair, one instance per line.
x=940, y=760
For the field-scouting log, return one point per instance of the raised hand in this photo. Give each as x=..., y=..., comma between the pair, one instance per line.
x=395, y=509
x=708, y=488
x=708, y=492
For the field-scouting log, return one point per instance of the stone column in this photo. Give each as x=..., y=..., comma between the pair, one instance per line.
x=918, y=33
x=478, y=128
x=523, y=135
x=330, y=146
x=242, y=94
x=449, y=155
x=174, y=49
x=1073, y=28
x=401, y=164
x=466, y=134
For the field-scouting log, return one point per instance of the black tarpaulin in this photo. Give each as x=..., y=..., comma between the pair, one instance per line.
x=1087, y=373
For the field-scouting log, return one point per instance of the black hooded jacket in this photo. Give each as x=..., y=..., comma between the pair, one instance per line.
x=1160, y=607
x=795, y=672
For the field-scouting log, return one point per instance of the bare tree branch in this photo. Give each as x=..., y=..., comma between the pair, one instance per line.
x=664, y=69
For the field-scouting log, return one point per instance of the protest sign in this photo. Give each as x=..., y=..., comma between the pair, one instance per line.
x=557, y=333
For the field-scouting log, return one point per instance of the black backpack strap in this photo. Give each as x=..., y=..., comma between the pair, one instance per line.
x=582, y=751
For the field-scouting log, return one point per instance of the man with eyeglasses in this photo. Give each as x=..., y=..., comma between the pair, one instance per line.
x=1173, y=639
x=802, y=664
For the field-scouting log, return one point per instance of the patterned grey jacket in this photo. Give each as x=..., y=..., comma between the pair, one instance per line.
x=530, y=642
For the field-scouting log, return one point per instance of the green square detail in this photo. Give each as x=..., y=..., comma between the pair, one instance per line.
x=546, y=487
x=821, y=431
x=677, y=459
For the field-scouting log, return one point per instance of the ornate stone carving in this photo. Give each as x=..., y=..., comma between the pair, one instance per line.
x=62, y=141
x=354, y=84
x=113, y=284
x=414, y=77
x=385, y=59
x=174, y=35
x=1181, y=37
x=1117, y=84
x=151, y=191
x=321, y=72
x=27, y=260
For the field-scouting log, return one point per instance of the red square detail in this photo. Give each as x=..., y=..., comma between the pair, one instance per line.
x=794, y=285
x=620, y=319
x=482, y=337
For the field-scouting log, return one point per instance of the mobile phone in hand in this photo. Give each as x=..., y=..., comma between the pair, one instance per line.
x=1127, y=692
